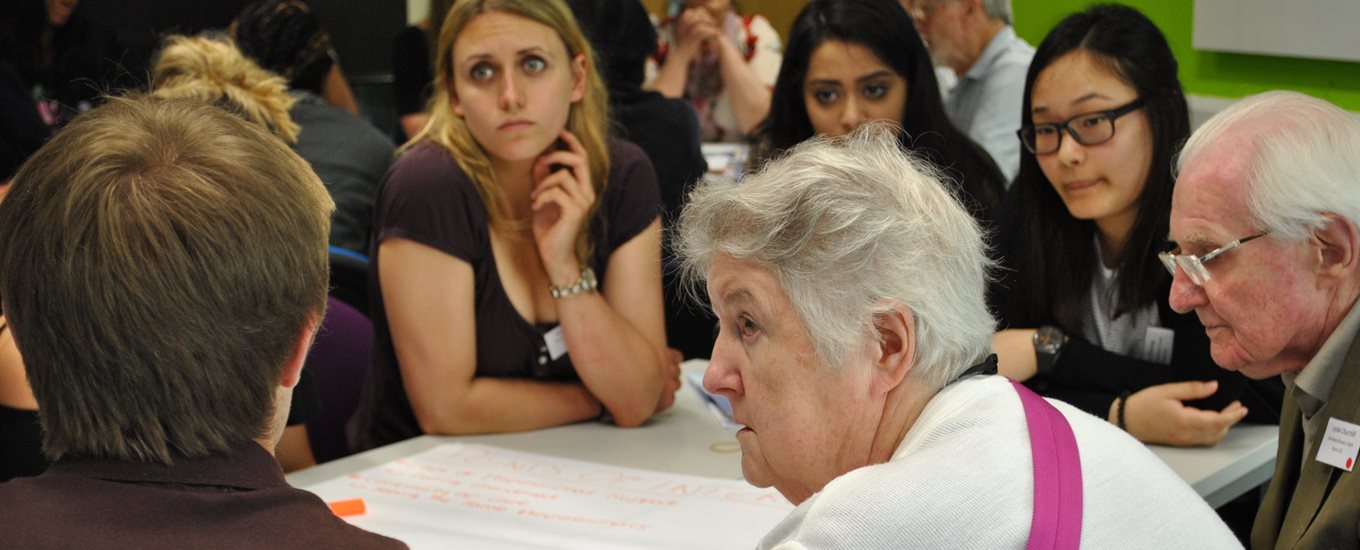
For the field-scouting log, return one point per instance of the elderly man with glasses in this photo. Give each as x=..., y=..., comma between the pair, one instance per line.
x=1266, y=213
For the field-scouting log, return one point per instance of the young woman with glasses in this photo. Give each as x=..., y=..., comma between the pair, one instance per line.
x=1084, y=304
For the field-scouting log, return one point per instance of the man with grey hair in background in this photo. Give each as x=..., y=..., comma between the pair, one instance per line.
x=1267, y=215
x=974, y=38
x=854, y=345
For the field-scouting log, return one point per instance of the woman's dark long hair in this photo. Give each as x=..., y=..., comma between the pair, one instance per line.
x=1053, y=253
x=883, y=27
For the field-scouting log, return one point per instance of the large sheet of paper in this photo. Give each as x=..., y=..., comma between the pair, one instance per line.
x=476, y=496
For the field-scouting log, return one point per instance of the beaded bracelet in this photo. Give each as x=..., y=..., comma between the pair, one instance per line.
x=587, y=283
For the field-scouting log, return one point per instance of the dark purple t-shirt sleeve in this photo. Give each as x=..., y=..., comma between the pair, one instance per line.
x=632, y=198
x=426, y=198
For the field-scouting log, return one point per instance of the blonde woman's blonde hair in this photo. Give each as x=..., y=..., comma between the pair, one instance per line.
x=214, y=70
x=588, y=119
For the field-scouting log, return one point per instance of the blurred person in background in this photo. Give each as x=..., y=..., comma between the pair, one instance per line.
x=349, y=154
x=724, y=63
x=974, y=39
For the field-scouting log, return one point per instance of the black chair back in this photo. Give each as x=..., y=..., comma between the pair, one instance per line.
x=349, y=278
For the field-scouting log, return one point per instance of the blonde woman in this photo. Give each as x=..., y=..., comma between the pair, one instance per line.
x=516, y=251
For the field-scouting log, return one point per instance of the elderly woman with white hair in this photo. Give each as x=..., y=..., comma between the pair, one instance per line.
x=854, y=346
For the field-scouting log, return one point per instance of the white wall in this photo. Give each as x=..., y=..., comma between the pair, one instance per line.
x=1318, y=29
x=1202, y=107
x=416, y=10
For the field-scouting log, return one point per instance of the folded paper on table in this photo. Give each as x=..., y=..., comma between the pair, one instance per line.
x=477, y=496
x=721, y=407
x=726, y=159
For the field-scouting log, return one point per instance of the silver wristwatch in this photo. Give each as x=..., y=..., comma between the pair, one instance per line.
x=1048, y=343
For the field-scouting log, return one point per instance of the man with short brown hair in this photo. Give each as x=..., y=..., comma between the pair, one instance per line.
x=163, y=271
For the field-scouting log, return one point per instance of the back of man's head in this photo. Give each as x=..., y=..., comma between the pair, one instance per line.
x=160, y=261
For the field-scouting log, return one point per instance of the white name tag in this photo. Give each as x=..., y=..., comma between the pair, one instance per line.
x=557, y=343
x=1157, y=345
x=1339, y=444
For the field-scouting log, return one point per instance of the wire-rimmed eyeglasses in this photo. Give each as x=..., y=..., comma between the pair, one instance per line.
x=1193, y=265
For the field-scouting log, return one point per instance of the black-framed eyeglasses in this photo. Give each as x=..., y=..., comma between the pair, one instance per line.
x=1088, y=129
x=1193, y=265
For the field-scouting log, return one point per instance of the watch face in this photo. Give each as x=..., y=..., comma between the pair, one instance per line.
x=1048, y=340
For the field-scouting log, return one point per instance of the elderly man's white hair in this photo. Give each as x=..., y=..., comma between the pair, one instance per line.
x=1305, y=159
x=845, y=224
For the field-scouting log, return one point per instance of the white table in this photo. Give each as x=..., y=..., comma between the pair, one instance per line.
x=1242, y=461
x=685, y=439
x=688, y=439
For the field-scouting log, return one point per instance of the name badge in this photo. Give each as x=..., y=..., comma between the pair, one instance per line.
x=557, y=343
x=1339, y=444
x=1157, y=344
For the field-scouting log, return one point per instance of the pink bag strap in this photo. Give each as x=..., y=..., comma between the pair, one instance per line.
x=1057, y=475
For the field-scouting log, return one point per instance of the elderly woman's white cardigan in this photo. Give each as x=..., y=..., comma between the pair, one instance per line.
x=963, y=478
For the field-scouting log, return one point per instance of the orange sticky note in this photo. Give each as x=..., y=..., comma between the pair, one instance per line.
x=351, y=507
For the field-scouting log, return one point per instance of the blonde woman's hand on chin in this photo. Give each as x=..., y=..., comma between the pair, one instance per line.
x=561, y=201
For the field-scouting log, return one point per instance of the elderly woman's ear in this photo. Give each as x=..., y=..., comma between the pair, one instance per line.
x=895, y=352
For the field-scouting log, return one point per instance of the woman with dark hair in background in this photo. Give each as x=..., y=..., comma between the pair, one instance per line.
x=851, y=61
x=300, y=52
x=1085, y=309
x=348, y=153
